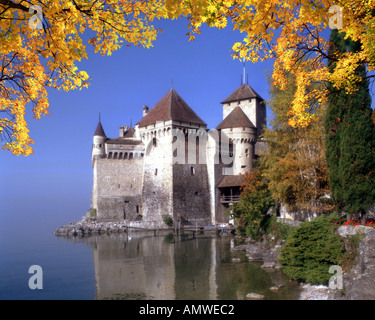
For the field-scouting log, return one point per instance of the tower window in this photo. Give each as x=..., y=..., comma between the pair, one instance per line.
x=247, y=153
x=156, y=172
x=192, y=171
x=137, y=208
x=154, y=142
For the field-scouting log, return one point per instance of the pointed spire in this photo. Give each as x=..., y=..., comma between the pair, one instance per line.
x=243, y=72
x=99, y=129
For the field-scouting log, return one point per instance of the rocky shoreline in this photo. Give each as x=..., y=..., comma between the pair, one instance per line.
x=88, y=227
x=358, y=283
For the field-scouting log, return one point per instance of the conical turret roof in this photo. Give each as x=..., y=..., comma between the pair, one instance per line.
x=236, y=119
x=171, y=107
x=99, y=130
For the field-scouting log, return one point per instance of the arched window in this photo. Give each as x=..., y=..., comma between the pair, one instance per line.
x=125, y=155
x=130, y=155
x=110, y=155
x=115, y=155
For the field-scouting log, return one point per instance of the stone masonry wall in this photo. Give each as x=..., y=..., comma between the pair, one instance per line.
x=191, y=194
x=118, y=186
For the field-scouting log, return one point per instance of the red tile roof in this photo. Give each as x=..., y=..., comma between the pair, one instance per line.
x=171, y=107
x=243, y=92
x=236, y=119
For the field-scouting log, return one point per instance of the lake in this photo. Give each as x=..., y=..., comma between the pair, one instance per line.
x=137, y=265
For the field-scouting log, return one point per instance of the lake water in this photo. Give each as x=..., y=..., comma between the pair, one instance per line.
x=137, y=265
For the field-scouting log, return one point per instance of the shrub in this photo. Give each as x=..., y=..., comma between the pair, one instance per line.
x=168, y=220
x=311, y=250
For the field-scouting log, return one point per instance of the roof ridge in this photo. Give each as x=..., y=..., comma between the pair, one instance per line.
x=171, y=107
x=241, y=94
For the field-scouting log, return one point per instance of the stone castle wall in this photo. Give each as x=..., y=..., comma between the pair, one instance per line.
x=191, y=194
x=118, y=185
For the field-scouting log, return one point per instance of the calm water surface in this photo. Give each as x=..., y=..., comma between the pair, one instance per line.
x=144, y=266
x=135, y=266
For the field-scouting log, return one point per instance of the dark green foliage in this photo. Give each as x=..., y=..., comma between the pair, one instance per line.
x=311, y=250
x=168, y=220
x=253, y=205
x=350, y=138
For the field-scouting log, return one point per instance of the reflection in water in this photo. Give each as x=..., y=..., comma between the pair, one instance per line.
x=143, y=266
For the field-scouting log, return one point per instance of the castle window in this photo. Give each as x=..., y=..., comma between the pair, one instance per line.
x=156, y=172
x=125, y=155
x=115, y=155
x=192, y=171
x=247, y=153
x=110, y=155
x=100, y=145
x=137, y=208
x=196, y=193
x=130, y=155
x=154, y=142
x=120, y=155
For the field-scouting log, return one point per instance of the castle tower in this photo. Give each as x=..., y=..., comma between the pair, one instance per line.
x=98, y=147
x=172, y=187
x=98, y=151
x=251, y=103
x=241, y=134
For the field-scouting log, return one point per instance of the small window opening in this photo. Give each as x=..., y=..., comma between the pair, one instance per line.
x=192, y=170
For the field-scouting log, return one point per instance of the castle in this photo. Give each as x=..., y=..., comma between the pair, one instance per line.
x=170, y=164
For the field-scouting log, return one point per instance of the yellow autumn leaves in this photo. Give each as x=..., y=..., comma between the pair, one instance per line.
x=287, y=31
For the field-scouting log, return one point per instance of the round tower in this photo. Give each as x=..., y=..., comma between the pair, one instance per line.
x=241, y=134
x=98, y=147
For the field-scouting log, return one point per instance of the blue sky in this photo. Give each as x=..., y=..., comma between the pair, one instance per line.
x=53, y=185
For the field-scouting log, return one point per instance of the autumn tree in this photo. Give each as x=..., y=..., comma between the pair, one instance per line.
x=294, y=163
x=292, y=32
x=41, y=43
x=350, y=136
x=44, y=54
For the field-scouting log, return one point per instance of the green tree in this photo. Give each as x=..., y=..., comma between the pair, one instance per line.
x=350, y=137
x=254, y=203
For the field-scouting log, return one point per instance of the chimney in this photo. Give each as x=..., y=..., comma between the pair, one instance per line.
x=123, y=130
x=145, y=110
